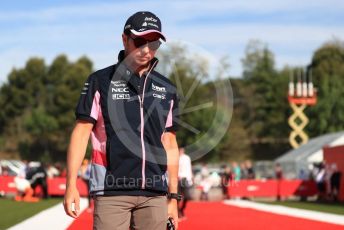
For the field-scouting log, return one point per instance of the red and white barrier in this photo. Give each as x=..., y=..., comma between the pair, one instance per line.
x=272, y=188
x=243, y=188
x=56, y=186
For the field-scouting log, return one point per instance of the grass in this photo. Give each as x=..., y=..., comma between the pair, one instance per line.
x=13, y=212
x=334, y=208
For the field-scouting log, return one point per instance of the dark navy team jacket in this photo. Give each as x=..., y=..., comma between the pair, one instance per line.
x=130, y=114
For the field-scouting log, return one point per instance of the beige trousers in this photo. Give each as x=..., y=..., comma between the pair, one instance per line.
x=136, y=212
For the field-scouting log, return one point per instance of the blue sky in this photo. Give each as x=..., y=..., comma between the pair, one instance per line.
x=292, y=29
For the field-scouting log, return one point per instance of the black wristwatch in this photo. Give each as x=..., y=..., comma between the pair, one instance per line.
x=176, y=196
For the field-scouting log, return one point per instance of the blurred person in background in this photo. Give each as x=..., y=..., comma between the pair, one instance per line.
x=335, y=182
x=205, y=184
x=24, y=190
x=62, y=169
x=5, y=171
x=185, y=180
x=37, y=176
x=236, y=171
x=226, y=179
x=303, y=175
x=52, y=171
x=320, y=181
x=204, y=170
x=250, y=171
x=327, y=180
x=23, y=169
x=279, y=177
x=243, y=171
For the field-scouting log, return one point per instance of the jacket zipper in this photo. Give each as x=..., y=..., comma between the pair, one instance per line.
x=142, y=128
x=142, y=141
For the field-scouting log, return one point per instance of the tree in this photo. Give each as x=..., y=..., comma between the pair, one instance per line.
x=265, y=103
x=38, y=103
x=202, y=113
x=327, y=70
x=41, y=126
x=260, y=77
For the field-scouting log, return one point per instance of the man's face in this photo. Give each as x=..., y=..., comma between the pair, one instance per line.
x=141, y=55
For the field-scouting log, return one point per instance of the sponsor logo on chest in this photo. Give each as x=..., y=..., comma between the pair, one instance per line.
x=119, y=90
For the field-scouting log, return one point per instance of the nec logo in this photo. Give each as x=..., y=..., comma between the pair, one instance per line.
x=120, y=90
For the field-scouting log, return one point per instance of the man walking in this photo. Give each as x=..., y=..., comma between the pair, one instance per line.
x=130, y=111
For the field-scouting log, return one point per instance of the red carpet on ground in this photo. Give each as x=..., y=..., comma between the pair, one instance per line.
x=218, y=216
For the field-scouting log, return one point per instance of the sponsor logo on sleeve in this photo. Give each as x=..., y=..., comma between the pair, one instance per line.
x=85, y=89
x=159, y=91
x=158, y=88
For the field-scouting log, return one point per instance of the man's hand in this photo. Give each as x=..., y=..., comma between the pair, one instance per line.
x=72, y=196
x=76, y=152
x=173, y=211
x=169, y=142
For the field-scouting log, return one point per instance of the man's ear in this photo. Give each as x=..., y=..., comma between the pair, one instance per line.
x=124, y=40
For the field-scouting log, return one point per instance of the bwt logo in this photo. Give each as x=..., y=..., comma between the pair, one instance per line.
x=158, y=88
x=151, y=19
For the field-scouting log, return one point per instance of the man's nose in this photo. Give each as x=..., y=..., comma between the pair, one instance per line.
x=145, y=49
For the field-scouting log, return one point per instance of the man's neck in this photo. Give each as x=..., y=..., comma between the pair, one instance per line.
x=141, y=69
x=138, y=69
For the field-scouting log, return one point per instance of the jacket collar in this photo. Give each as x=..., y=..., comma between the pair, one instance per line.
x=126, y=73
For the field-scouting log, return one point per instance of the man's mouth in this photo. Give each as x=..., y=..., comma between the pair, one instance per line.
x=143, y=59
